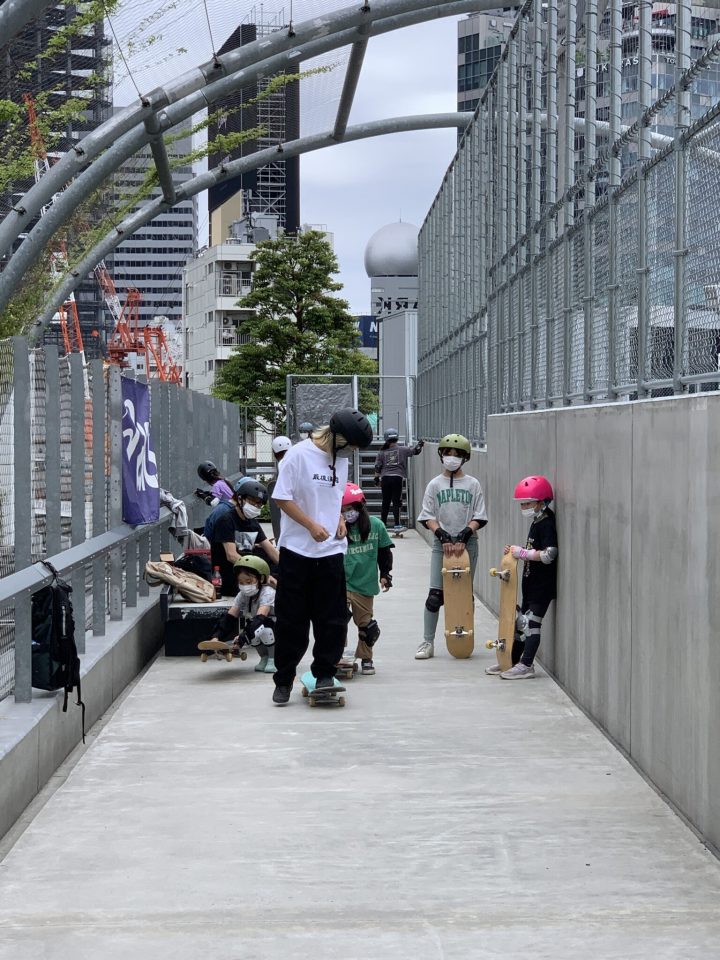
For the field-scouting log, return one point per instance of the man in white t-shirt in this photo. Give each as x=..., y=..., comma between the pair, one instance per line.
x=311, y=578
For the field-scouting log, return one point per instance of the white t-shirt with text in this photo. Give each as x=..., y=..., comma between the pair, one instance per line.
x=306, y=479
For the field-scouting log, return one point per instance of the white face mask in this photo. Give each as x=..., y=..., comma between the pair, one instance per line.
x=303, y=435
x=247, y=590
x=452, y=463
x=528, y=512
x=251, y=511
x=351, y=516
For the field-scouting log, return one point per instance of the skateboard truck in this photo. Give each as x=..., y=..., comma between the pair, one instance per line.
x=500, y=574
x=494, y=644
x=455, y=572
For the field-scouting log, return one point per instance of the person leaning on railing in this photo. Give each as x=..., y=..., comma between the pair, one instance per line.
x=390, y=472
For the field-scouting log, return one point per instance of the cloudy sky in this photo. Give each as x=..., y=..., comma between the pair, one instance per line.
x=357, y=188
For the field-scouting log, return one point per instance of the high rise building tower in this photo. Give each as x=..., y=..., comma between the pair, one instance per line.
x=153, y=258
x=480, y=41
x=77, y=74
x=274, y=189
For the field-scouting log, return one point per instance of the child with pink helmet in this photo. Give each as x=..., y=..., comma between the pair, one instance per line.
x=539, y=575
x=368, y=553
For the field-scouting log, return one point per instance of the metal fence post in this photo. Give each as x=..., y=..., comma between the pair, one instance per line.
x=78, y=530
x=591, y=18
x=682, y=121
x=53, y=538
x=643, y=154
x=99, y=492
x=22, y=453
x=115, y=498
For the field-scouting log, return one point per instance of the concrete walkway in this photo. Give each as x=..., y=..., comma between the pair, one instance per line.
x=440, y=814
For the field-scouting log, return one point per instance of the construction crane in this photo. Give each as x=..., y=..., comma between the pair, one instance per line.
x=147, y=344
x=67, y=315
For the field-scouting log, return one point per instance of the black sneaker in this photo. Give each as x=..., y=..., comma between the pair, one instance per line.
x=324, y=682
x=281, y=694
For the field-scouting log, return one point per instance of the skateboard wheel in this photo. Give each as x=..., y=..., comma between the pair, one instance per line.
x=243, y=655
x=313, y=703
x=490, y=644
x=203, y=658
x=305, y=691
x=443, y=571
x=228, y=656
x=493, y=571
x=341, y=701
x=356, y=667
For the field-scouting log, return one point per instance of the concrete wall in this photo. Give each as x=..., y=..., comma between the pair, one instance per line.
x=36, y=737
x=634, y=636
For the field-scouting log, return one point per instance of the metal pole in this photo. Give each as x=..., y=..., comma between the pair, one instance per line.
x=551, y=140
x=115, y=498
x=99, y=493
x=591, y=18
x=568, y=180
x=22, y=479
x=643, y=154
x=614, y=174
x=682, y=122
x=77, y=492
x=535, y=210
x=53, y=538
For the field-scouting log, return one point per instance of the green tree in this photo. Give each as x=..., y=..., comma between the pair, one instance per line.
x=299, y=327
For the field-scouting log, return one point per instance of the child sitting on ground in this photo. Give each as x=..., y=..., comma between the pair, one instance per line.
x=539, y=576
x=251, y=618
x=368, y=551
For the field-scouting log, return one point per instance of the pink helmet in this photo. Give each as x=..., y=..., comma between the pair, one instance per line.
x=534, y=488
x=352, y=494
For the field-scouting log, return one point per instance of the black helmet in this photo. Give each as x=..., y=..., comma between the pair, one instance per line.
x=247, y=487
x=208, y=472
x=354, y=426
x=391, y=435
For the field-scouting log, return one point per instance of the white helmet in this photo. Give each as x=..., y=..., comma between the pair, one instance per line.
x=281, y=444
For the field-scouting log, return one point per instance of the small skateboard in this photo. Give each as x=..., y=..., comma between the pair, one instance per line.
x=458, y=594
x=346, y=668
x=507, y=575
x=219, y=650
x=398, y=532
x=325, y=694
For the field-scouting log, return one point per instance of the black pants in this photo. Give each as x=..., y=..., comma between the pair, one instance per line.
x=525, y=645
x=392, y=488
x=309, y=591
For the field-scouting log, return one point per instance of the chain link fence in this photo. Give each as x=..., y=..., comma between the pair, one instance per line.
x=60, y=469
x=571, y=255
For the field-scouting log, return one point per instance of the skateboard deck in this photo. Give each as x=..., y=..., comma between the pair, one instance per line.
x=346, y=668
x=395, y=533
x=325, y=694
x=458, y=594
x=507, y=574
x=219, y=650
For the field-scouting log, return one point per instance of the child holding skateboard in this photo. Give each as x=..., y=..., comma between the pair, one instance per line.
x=368, y=551
x=251, y=618
x=539, y=576
x=311, y=584
x=453, y=508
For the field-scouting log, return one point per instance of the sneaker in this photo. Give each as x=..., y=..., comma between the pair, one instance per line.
x=269, y=666
x=281, y=694
x=324, y=682
x=521, y=671
x=261, y=664
x=425, y=650
x=367, y=668
x=494, y=670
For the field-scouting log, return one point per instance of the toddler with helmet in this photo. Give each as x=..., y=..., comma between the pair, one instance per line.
x=311, y=580
x=539, y=576
x=368, y=551
x=453, y=508
x=251, y=618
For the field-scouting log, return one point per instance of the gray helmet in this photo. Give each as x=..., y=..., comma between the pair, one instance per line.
x=247, y=487
x=306, y=427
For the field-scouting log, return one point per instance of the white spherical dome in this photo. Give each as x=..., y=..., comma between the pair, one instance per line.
x=393, y=251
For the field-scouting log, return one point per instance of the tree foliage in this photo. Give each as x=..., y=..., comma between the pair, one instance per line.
x=299, y=327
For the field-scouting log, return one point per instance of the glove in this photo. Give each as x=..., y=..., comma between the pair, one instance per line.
x=419, y=445
x=443, y=536
x=205, y=495
x=386, y=581
x=376, y=480
x=465, y=534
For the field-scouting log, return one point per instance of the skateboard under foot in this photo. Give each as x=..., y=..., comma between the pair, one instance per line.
x=507, y=575
x=458, y=602
x=219, y=650
x=325, y=695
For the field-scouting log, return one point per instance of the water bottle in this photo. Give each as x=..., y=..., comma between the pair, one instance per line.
x=216, y=581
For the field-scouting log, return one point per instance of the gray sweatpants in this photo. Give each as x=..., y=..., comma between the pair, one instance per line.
x=436, y=564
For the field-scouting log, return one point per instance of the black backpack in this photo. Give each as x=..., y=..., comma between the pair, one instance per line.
x=55, y=660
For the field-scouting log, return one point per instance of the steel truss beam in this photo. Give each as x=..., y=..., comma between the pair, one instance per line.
x=111, y=144
x=190, y=188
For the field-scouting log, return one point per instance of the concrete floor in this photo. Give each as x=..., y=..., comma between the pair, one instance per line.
x=440, y=814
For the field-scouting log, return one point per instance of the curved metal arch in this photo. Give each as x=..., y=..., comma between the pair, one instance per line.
x=190, y=188
x=179, y=100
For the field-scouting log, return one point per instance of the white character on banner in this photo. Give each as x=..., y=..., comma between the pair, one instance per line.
x=137, y=438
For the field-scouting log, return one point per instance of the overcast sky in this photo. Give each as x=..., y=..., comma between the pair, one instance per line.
x=357, y=188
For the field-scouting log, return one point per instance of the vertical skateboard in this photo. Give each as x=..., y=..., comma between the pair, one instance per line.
x=458, y=594
x=325, y=694
x=219, y=650
x=507, y=575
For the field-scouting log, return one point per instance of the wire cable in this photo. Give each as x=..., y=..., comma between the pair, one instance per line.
x=120, y=50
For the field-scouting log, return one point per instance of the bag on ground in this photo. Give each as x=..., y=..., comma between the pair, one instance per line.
x=190, y=585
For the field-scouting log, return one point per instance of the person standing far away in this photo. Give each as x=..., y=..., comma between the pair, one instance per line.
x=390, y=472
x=305, y=429
x=280, y=447
x=311, y=579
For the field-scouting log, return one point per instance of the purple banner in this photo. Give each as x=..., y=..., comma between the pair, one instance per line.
x=141, y=490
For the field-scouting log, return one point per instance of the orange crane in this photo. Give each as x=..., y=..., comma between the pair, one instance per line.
x=67, y=314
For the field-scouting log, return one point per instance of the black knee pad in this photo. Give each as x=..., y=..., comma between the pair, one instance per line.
x=369, y=633
x=435, y=600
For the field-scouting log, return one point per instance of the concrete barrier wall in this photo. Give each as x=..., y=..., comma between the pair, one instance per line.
x=36, y=737
x=635, y=633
